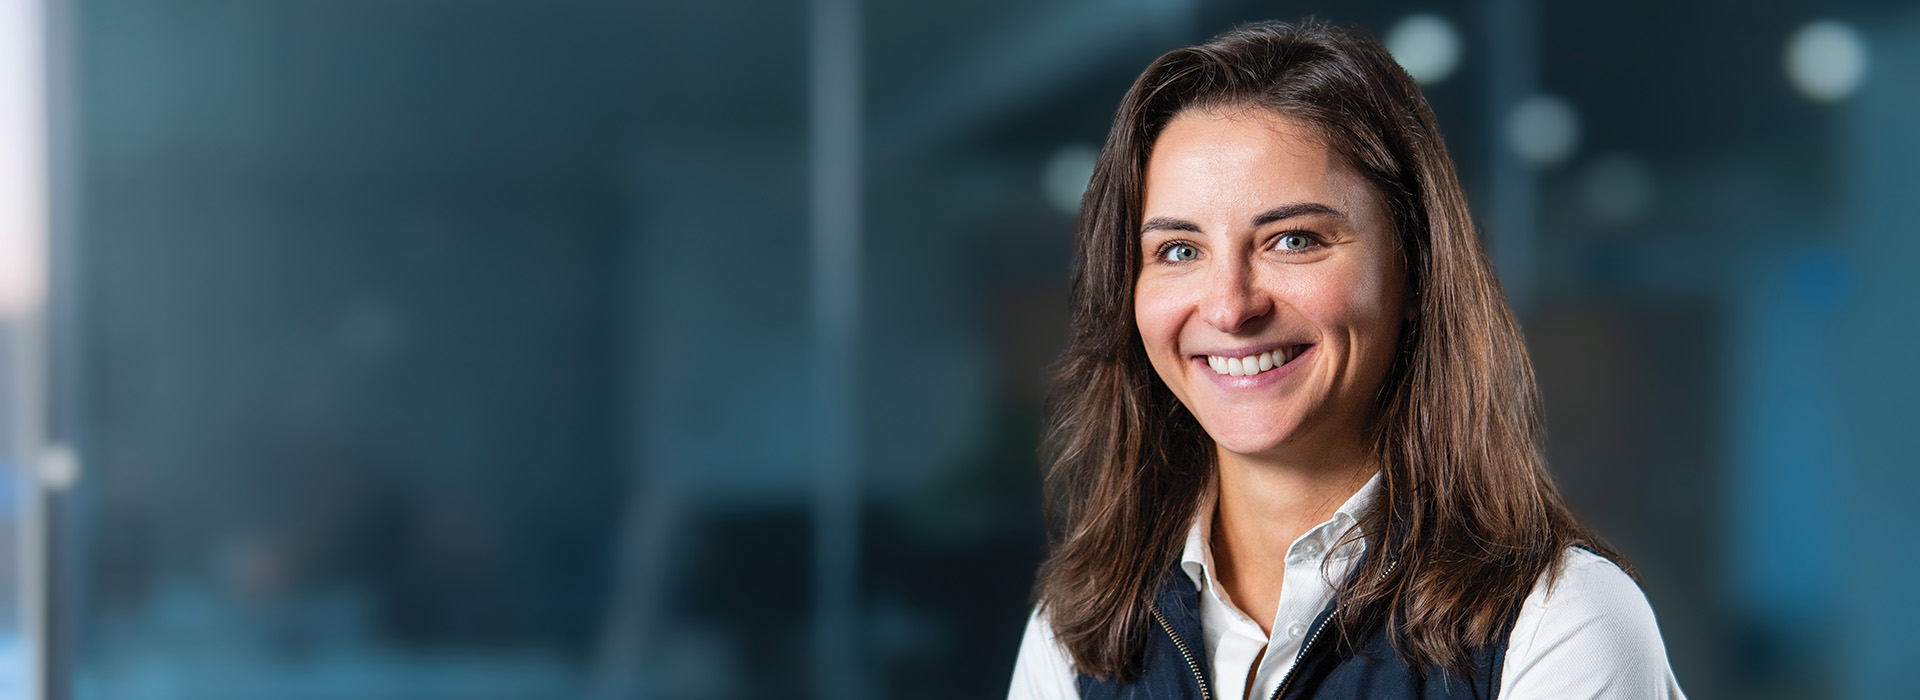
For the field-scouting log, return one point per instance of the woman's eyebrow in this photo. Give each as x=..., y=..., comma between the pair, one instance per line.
x=1279, y=213
x=1288, y=211
x=1168, y=223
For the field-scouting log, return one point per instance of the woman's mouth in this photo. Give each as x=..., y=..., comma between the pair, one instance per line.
x=1254, y=364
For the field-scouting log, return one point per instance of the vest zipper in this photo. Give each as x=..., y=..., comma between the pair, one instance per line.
x=1297, y=658
x=1184, y=652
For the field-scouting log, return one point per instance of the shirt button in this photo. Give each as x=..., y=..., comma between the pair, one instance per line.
x=1296, y=629
x=1310, y=548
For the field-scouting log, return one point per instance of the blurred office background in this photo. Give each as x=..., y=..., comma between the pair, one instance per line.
x=510, y=349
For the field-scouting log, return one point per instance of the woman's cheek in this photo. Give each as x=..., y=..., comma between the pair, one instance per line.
x=1154, y=317
x=1357, y=295
x=1320, y=295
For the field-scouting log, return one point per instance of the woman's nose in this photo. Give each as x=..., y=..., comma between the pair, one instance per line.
x=1233, y=300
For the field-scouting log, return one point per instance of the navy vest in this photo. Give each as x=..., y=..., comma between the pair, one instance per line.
x=1175, y=661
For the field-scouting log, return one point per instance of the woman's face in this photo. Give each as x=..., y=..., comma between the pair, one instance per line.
x=1271, y=293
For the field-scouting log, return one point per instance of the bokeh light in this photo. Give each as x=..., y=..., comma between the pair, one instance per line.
x=1064, y=177
x=1426, y=45
x=1617, y=188
x=1826, y=60
x=1543, y=130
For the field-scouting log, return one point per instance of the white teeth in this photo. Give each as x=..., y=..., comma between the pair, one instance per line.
x=1249, y=365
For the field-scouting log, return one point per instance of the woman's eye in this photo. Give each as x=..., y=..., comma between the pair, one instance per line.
x=1295, y=241
x=1179, y=252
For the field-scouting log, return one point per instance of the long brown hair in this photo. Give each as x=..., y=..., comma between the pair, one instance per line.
x=1473, y=514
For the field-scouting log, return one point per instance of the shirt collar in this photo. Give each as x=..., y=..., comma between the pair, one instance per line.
x=1197, y=558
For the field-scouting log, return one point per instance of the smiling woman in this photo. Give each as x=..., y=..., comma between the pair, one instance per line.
x=1295, y=440
x=1258, y=242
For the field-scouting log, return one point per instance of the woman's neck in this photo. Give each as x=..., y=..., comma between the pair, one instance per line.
x=1262, y=507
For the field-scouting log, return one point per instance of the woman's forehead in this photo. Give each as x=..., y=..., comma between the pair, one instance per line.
x=1229, y=163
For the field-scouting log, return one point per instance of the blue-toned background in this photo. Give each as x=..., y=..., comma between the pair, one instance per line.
x=490, y=348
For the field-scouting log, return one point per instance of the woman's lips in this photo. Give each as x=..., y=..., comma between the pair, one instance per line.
x=1287, y=358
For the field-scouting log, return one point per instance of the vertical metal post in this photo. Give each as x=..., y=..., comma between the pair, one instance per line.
x=835, y=154
x=35, y=216
x=24, y=224
x=63, y=457
x=1512, y=74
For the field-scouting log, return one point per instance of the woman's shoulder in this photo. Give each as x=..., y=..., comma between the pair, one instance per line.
x=1589, y=584
x=1043, y=670
x=1587, y=630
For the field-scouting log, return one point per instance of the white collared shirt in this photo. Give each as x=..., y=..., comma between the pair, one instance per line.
x=1591, y=635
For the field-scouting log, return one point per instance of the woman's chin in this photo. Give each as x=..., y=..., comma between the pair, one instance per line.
x=1251, y=440
x=1252, y=448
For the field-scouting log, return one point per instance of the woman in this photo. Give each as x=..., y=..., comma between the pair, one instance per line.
x=1296, y=438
